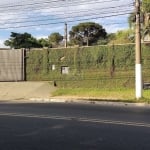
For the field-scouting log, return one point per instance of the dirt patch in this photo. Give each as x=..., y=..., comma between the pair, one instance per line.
x=25, y=90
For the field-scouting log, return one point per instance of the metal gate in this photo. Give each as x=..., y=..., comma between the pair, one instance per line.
x=12, y=65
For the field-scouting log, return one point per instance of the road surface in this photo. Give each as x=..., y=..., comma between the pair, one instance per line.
x=70, y=126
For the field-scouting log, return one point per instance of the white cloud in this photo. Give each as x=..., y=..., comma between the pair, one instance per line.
x=41, y=36
x=114, y=28
x=2, y=44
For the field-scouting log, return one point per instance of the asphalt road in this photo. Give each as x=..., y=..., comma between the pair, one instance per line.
x=56, y=126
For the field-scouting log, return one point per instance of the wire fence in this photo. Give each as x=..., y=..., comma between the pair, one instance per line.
x=88, y=67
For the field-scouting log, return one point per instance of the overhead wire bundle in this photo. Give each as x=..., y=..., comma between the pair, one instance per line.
x=25, y=13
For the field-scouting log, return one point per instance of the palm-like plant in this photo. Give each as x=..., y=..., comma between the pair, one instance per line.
x=146, y=32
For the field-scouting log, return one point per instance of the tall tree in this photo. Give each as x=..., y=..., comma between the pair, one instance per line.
x=122, y=36
x=146, y=32
x=87, y=33
x=44, y=42
x=132, y=19
x=55, y=38
x=25, y=40
x=146, y=6
x=145, y=17
x=146, y=12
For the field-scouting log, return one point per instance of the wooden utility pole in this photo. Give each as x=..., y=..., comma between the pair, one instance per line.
x=138, y=66
x=65, y=36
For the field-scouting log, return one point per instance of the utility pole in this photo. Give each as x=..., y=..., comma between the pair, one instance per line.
x=138, y=66
x=65, y=36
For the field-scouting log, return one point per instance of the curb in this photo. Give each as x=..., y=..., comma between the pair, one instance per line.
x=101, y=102
x=87, y=101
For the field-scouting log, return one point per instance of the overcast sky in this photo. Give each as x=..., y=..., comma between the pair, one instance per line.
x=42, y=17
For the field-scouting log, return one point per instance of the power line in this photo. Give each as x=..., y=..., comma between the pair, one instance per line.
x=53, y=19
x=60, y=12
x=62, y=22
x=54, y=1
x=54, y=6
x=31, y=19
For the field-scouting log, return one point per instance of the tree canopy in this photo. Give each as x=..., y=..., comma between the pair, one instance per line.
x=55, y=38
x=145, y=14
x=87, y=33
x=44, y=42
x=132, y=19
x=146, y=6
x=144, y=18
x=122, y=36
x=25, y=40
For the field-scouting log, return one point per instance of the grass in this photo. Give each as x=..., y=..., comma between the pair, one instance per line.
x=122, y=95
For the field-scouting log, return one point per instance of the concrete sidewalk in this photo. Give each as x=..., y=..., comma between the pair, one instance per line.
x=25, y=90
x=41, y=92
